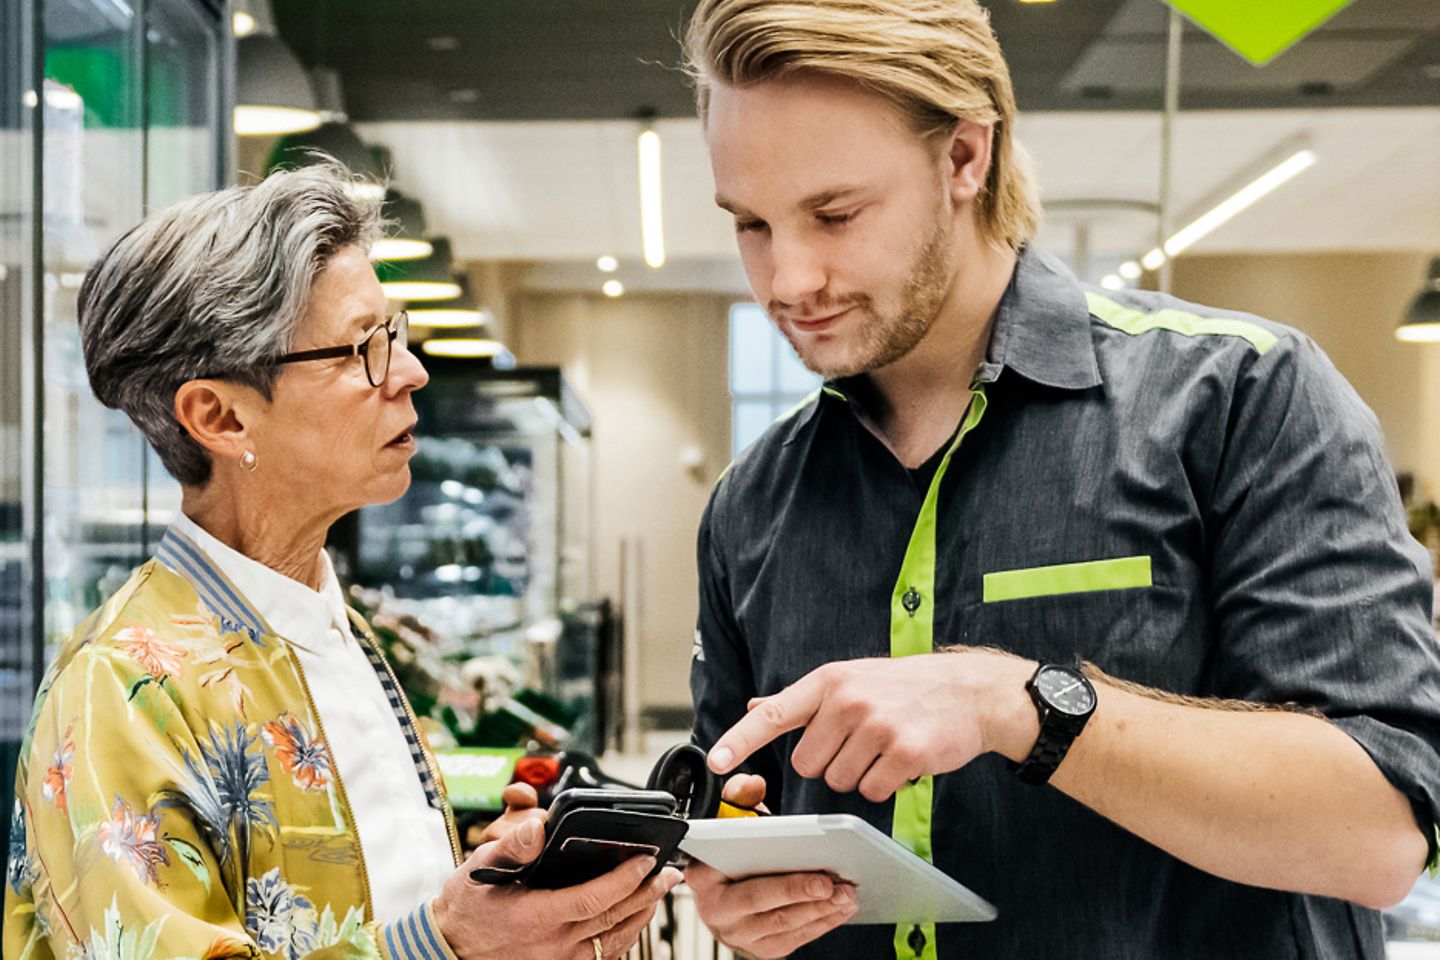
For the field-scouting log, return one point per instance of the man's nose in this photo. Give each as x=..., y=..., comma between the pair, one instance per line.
x=797, y=272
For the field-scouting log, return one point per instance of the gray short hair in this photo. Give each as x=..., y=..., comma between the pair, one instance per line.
x=215, y=285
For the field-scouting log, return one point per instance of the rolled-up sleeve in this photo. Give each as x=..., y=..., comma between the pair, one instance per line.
x=1321, y=597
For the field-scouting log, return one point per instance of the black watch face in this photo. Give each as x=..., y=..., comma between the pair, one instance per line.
x=1066, y=691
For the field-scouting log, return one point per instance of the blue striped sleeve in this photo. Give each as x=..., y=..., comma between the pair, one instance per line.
x=416, y=936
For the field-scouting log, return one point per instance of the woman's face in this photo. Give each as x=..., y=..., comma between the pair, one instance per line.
x=328, y=436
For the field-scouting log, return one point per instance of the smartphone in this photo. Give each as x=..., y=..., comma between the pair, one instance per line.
x=591, y=832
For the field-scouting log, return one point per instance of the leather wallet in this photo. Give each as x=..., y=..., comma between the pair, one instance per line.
x=590, y=832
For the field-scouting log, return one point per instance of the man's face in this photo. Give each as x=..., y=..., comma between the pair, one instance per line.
x=843, y=217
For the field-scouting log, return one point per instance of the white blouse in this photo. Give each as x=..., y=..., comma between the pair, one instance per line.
x=404, y=839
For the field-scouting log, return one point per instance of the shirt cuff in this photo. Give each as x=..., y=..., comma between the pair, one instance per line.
x=416, y=936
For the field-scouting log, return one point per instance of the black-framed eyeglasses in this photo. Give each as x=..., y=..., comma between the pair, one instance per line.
x=373, y=349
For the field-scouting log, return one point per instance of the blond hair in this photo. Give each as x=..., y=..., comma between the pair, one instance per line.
x=937, y=61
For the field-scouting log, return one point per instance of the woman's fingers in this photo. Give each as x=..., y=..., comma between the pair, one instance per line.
x=643, y=900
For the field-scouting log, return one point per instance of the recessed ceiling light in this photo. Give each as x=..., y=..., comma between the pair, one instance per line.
x=607, y=264
x=466, y=347
x=242, y=23
x=464, y=95
x=612, y=288
x=443, y=44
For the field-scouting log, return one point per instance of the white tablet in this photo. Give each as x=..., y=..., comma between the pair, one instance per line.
x=891, y=883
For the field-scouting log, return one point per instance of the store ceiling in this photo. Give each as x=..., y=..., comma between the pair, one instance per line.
x=441, y=81
x=609, y=59
x=566, y=190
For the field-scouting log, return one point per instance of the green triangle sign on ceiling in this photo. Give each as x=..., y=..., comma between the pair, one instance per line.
x=1259, y=30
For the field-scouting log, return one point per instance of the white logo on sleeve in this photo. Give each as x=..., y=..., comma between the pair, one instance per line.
x=697, y=652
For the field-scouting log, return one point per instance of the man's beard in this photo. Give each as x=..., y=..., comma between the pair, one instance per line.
x=885, y=338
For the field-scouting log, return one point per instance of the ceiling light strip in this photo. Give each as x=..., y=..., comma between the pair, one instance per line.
x=652, y=224
x=1245, y=197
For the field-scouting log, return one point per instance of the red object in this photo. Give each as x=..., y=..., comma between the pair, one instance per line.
x=539, y=772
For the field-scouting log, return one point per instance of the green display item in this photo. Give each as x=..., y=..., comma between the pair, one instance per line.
x=475, y=777
x=528, y=715
x=1259, y=30
x=547, y=706
x=99, y=76
x=1121, y=573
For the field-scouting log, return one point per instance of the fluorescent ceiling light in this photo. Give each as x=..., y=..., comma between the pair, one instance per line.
x=429, y=278
x=1242, y=199
x=612, y=288
x=1130, y=270
x=400, y=248
x=460, y=312
x=447, y=318
x=652, y=224
x=273, y=93
x=1419, y=333
x=471, y=347
x=1112, y=281
x=607, y=264
x=57, y=96
x=1422, y=320
x=365, y=190
x=253, y=121
x=420, y=289
x=405, y=220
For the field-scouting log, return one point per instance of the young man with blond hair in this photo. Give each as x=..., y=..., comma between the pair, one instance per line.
x=1028, y=522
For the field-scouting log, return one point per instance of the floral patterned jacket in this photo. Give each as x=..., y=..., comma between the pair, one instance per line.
x=175, y=796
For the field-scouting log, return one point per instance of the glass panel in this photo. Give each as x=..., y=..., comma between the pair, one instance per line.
x=93, y=191
x=19, y=659
x=182, y=103
x=795, y=380
x=749, y=420
x=752, y=350
x=182, y=97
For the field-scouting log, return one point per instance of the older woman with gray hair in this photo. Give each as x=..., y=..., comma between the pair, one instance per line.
x=221, y=763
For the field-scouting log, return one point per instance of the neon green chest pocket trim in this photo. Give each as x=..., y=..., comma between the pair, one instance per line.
x=1121, y=573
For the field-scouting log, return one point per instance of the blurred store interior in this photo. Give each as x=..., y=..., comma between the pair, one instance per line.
x=596, y=358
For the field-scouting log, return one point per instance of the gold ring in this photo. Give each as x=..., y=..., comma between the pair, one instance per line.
x=599, y=951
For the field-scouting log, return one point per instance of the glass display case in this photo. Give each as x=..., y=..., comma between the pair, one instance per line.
x=133, y=121
x=107, y=110
x=488, y=548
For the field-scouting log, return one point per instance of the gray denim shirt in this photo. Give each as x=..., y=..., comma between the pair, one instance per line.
x=1225, y=449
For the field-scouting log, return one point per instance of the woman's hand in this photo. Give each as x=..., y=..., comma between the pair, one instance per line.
x=513, y=922
x=767, y=916
x=521, y=806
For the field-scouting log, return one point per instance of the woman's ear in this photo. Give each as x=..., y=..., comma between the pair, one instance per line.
x=969, y=156
x=216, y=414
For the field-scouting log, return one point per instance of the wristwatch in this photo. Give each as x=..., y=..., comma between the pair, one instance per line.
x=1065, y=701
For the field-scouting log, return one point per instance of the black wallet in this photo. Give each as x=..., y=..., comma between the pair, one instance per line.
x=590, y=832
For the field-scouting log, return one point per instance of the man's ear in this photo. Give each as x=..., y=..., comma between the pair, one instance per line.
x=969, y=156
x=216, y=413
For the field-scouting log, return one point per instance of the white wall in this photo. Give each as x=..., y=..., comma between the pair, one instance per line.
x=1350, y=303
x=653, y=370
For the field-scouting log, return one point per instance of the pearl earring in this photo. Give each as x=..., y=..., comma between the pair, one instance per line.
x=249, y=461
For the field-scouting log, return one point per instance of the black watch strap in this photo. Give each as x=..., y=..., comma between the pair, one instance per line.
x=1058, y=729
x=1050, y=748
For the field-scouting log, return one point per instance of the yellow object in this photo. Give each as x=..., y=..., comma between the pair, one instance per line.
x=175, y=797
x=730, y=812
